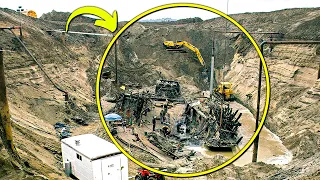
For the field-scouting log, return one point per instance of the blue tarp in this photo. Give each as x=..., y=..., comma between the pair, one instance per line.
x=112, y=117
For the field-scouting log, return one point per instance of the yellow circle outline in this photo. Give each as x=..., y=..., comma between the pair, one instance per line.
x=173, y=5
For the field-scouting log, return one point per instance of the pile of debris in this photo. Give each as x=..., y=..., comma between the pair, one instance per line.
x=215, y=123
x=62, y=130
x=163, y=144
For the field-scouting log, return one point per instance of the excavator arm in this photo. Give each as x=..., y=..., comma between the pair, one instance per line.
x=194, y=49
x=179, y=44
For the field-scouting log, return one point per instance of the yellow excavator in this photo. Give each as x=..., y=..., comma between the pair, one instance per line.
x=224, y=88
x=179, y=44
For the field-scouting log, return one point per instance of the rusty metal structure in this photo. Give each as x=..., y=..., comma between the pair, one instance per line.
x=214, y=122
x=132, y=105
x=168, y=89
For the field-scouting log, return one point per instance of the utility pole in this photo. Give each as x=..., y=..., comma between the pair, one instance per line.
x=256, y=141
x=5, y=121
x=116, y=61
x=225, y=45
x=212, y=69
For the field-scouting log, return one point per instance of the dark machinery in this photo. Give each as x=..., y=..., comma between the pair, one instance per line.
x=168, y=88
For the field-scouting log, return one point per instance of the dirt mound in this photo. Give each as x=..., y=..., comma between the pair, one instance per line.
x=310, y=33
x=63, y=17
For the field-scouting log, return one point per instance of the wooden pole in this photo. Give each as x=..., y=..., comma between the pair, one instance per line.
x=5, y=121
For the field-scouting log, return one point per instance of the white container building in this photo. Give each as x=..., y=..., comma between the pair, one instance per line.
x=89, y=157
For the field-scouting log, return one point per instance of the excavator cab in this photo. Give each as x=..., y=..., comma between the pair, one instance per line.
x=169, y=45
x=173, y=47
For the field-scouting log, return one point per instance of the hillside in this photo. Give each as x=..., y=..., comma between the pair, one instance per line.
x=35, y=105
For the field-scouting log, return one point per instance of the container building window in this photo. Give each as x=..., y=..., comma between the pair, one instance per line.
x=79, y=157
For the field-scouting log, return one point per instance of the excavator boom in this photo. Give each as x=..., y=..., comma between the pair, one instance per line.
x=180, y=44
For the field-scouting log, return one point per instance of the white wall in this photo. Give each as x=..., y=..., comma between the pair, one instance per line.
x=96, y=167
x=109, y=168
x=82, y=169
x=125, y=169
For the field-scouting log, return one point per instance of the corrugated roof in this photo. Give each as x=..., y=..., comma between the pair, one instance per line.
x=91, y=146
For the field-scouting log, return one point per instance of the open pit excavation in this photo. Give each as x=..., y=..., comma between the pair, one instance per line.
x=180, y=96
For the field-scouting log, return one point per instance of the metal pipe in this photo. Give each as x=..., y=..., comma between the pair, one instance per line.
x=12, y=27
x=20, y=10
x=254, y=32
x=291, y=42
x=84, y=33
x=224, y=31
x=5, y=121
x=39, y=65
x=116, y=61
x=212, y=69
x=256, y=142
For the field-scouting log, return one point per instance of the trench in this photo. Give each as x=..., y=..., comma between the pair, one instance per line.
x=270, y=150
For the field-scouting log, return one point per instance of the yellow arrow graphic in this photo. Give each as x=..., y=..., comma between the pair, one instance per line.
x=107, y=21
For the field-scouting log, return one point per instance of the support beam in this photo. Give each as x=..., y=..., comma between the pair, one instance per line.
x=116, y=61
x=212, y=69
x=289, y=42
x=319, y=72
x=278, y=33
x=83, y=33
x=256, y=141
x=5, y=121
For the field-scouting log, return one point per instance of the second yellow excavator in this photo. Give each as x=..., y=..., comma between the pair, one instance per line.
x=225, y=89
x=179, y=44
